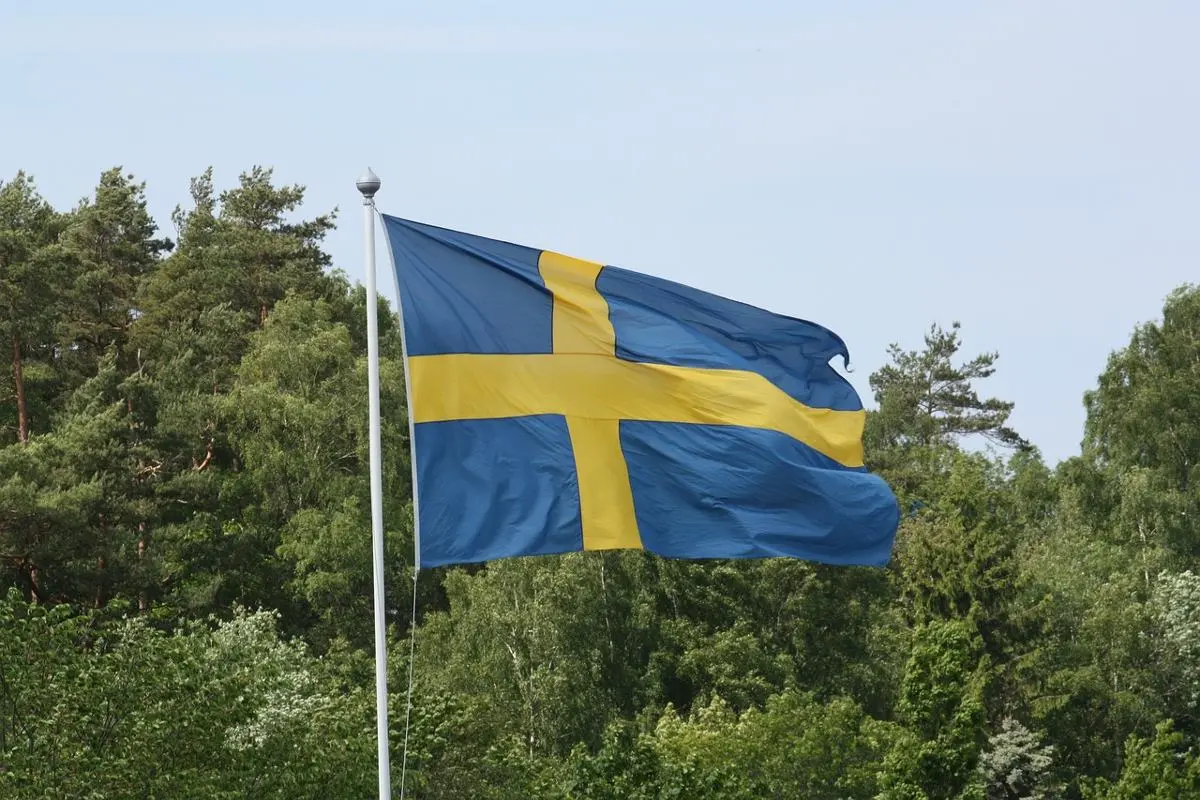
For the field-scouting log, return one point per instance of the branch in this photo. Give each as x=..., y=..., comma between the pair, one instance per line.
x=208, y=454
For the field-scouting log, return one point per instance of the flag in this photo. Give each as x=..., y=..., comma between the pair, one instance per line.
x=561, y=405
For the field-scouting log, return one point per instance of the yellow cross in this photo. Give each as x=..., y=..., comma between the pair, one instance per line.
x=584, y=381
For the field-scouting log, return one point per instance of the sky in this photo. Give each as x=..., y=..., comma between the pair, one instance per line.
x=1028, y=168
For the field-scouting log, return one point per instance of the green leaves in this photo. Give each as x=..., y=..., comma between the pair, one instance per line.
x=124, y=709
x=941, y=706
x=538, y=638
x=1176, y=607
x=29, y=267
x=183, y=436
x=925, y=399
x=1155, y=769
x=112, y=251
x=1143, y=427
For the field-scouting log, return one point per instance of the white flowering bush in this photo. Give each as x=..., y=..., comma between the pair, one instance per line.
x=1177, y=606
x=1016, y=766
x=274, y=677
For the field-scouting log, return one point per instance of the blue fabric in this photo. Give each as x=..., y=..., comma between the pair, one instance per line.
x=466, y=294
x=701, y=491
x=496, y=487
x=663, y=322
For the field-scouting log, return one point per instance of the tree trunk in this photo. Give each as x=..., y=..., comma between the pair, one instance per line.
x=1145, y=546
x=19, y=378
x=35, y=593
x=143, y=600
x=100, y=565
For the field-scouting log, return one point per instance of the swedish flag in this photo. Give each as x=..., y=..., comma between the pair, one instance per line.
x=562, y=405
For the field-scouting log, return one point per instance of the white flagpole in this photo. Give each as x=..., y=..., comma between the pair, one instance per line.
x=416, y=516
x=368, y=185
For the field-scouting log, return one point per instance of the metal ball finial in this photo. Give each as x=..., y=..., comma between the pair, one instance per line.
x=368, y=184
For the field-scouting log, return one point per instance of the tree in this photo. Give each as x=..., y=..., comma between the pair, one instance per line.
x=113, y=251
x=1176, y=606
x=184, y=437
x=925, y=400
x=1016, y=766
x=1155, y=769
x=69, y=520
x=238, y=255
x=1095, y=672
x=538, y=638
x=795, y=746
x=236, y=251
x=96, y=707
x=1143, y=427
x=296, y=416
x=941, y=707
x=29, y=227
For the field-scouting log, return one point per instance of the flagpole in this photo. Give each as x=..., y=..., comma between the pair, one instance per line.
x=368, y=185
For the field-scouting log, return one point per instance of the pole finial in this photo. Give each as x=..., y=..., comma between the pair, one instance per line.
x=368, y=183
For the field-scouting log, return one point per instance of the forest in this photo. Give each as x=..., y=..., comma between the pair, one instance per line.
x=185, y=588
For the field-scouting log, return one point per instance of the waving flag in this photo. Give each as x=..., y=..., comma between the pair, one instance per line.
x=563, y=405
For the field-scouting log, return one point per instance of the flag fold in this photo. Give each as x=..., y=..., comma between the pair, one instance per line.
x=563, y=405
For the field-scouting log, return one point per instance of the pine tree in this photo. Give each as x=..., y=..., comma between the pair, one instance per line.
x=29, y=262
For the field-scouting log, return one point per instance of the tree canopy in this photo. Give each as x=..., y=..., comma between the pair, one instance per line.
x=185, y=564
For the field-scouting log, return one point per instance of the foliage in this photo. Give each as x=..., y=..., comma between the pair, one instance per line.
x=1143, y=429
x=112, y=710
x=1176, y=605
x=183, y=437
x=1016, y=766
x=1155, y=769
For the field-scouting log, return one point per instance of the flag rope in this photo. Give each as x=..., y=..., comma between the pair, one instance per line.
x=412, y=650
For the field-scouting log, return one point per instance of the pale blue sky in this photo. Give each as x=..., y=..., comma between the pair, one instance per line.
x=1029, y=168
